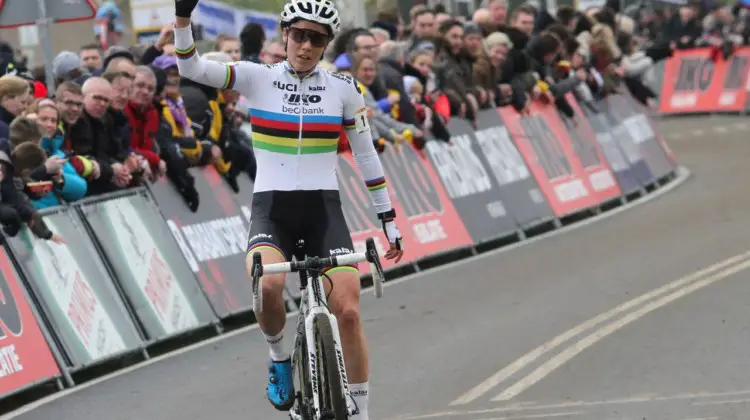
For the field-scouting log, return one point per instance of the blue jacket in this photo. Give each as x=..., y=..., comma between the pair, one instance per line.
x=75, y=186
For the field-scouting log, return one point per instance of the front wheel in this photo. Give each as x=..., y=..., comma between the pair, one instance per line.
x=332, y=399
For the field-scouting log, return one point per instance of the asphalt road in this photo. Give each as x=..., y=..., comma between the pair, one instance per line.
x=443, y=333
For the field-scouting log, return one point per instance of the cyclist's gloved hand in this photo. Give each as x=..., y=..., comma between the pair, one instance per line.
x=184, y=8
x=396, y=250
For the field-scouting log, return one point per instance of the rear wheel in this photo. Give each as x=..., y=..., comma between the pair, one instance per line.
x=332, y=400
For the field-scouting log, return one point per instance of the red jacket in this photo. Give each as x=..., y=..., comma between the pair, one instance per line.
x=143, y=128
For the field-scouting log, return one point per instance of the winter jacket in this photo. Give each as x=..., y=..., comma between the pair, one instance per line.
x=75, y=186
x=144, y=124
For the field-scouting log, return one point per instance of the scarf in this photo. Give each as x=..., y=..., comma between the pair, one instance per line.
x=177, y=108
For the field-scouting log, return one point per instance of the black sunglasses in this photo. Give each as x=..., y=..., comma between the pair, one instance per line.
x=300, y=35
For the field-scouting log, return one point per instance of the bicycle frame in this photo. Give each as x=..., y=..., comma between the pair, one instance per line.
x=313, y=303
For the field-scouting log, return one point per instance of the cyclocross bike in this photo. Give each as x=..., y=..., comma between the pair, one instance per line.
x=317, y=358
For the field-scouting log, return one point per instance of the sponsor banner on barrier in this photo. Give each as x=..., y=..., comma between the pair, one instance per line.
x=588, y=151
x=474, y=192
x=625, y=173
x=639, y=130
x=76, y=293
x=213, y=240
x=25, y=356
x=544, y=144
x=523, y=198
x=700, y=80
x=629, y=147
x=148, y=263
x=425, y=215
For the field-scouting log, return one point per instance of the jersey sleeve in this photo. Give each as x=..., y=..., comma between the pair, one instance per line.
x=235, y=76
x=366, y=157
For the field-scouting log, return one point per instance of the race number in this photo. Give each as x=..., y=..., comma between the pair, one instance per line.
x=360, y=121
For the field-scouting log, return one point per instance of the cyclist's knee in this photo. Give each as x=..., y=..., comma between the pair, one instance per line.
x=345, y=299
x=273, y=283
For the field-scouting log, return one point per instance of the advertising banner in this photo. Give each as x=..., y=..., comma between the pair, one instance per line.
x=627, y=145
x=639, y=130
x=148, y=263
x=626, y=174
x=590, y=154
x=25, y=356
x=521, y=194
x=426, y=217
x=76, y=293
x=213, y=240
x=699, y=80
x=544, y=144
x=469, y=183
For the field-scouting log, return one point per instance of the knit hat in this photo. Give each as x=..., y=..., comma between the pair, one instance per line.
x=65, y=63
x=472, y=28
x=165, y=62
x=497, y=38
x=342, y=62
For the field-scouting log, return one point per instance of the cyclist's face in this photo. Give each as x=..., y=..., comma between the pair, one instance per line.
x=306, y=42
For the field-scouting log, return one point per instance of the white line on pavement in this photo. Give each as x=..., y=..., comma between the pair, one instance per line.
x=569, y=353
x=488, y=384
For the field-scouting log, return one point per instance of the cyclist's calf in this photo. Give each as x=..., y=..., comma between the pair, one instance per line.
x=344, y=304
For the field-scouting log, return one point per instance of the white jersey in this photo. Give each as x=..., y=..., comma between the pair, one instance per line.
x=296, y=123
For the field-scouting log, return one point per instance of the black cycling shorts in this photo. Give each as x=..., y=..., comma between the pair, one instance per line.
x=281, y=220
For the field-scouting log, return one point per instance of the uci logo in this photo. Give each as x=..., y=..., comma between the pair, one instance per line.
x=295, y=98
x=290, y=87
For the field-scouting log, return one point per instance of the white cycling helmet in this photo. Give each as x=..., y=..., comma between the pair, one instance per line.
x=319, y=11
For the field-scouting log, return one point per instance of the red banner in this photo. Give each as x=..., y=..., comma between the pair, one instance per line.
x=701, y=80
x=25, y=357
x=594, y=162
x=425, y=215
x=543, y=142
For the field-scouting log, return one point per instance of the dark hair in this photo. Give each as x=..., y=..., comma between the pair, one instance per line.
x=252, y=38
x=90, y=47
x=566, y=14
x=448, y=24
x=111, y=76
x=525, y=9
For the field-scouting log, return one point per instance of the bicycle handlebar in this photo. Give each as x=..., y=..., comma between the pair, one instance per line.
x=315, y=263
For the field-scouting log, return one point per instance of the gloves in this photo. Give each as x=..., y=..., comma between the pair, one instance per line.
x=184, y=8
x=389, y=227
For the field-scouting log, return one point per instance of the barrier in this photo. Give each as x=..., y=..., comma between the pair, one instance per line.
x=147, y=263
x=140, y=267
x=701, y=80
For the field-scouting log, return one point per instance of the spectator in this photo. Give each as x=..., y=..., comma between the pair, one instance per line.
x=229, y=45
x=92, y=134
x=452, y=71
x=381, y=35
x=144, y=123
x=423, y=23
x=41, y=160
x=122, y=90
x=473, y=54
x=483, y=18
x=391, y=73
x=15, y=208
x=164, y=45
x=116, y=54
x=385, y=126
x=67, y=66
x=684, y=29
x=14, y=99
x=499, y=11
x=91, y=58
x=442, y=17
x=389, y=21
x=523, y=18
x=273, y=52
x=252, y=38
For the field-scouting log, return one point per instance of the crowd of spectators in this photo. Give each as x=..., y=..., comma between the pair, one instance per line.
x=124, y=117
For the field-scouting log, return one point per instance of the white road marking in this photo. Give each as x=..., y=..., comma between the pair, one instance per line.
x=575, y=349
x=536, y=416
x=740, y=126
x=683, y=174
x=488, y=384
x=720, y=402
x=698, y=132
x=720, y=129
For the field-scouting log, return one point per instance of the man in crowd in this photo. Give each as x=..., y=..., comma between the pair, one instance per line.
x=273, y=52
x=91, y=57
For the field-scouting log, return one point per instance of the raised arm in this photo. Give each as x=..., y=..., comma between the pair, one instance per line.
x=236, y=76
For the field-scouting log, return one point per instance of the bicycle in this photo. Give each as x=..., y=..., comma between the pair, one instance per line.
x=322, y=389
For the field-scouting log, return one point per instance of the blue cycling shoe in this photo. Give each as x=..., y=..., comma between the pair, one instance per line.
x=280, y=390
